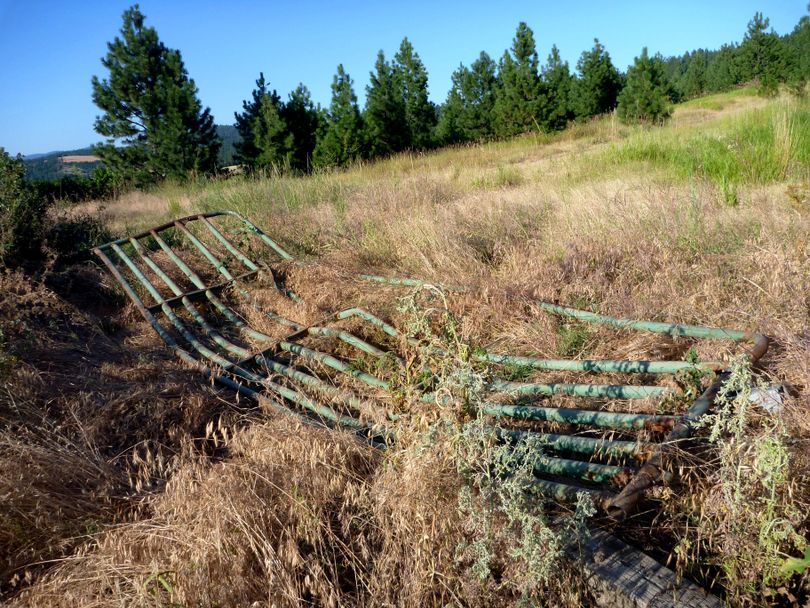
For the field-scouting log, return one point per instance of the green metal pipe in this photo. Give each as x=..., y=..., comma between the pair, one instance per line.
x=600, y=448
x=348, y=338
x=367, y=316
x=189, y=306
x=673, y=329
x=393, y=280
x=602, y=365
x=566, y=493
x=321, y=410
x=588, y=471
x=334, y=363
x=218, y=264
x=232, y=249
x=612, y=420
x=346, y=397
x=273, y=245
x=220, y=267
x=611, y=391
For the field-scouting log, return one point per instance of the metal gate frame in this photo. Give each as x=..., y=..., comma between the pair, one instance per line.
x=598, y=466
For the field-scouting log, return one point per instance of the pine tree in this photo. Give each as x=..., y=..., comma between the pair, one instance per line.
x=467, y=113
x=693, y=82
x=723, y=70
x=386, y=129
x=411, y=78
x=798, y=45
x=519, y=95
x=301, y=118
x=448, y=128
x=644, y=98
x=340, y=141
x=762, y=56
x=597, y=88
x=675, y=69
x=558, y=81
x=154, y=122
x=266, y=141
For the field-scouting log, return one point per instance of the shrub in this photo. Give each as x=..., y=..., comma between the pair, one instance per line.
x=71, y=235
x=21, y=214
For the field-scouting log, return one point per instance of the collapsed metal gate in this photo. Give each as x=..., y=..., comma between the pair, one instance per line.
x=196, y=321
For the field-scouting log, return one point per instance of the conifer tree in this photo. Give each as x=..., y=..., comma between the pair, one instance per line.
x=467, y=113
x=266, y=141
x=411, y=78
x=301, y=119
x=644, y=98
x=448, y=127
x=693, y=81
x=519, y=95
x=340, y=141
x=386, y=128
x=558, y=81
x=152, y=117
x=762, y=56
x=596, y=89
x=798, y=45
x=723, y=70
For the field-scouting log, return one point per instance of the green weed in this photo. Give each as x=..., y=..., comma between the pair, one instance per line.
x=505, y=521
x=572, y=338
x=749, y=521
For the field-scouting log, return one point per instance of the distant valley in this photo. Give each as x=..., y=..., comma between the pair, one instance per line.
x=47, y=166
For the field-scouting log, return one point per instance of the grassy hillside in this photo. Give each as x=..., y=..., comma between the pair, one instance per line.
x=45, y=167
x=705, y=220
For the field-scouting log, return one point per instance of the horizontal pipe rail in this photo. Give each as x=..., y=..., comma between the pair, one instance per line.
x=591, y=446
x=612, y=420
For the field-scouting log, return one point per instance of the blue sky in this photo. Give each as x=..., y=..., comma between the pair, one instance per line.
x=50, y=50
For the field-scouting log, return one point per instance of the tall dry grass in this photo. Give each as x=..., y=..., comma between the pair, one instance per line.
x=701, y=221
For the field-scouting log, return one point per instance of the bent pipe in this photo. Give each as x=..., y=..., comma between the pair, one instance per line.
x=652, y=472
x=758, y=341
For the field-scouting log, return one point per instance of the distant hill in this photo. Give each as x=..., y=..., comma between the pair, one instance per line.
x=53, y=165
x=47, y=166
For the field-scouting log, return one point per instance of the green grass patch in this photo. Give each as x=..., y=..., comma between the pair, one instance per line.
x=504, y=177
x=718, y=101
x=758, y=147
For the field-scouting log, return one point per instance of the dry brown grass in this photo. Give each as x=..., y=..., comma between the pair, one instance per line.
x=92, y=417
x=285, y=515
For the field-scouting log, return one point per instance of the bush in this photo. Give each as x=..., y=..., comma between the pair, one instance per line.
x=68, y=235
x=21, y=214
x=101, y=183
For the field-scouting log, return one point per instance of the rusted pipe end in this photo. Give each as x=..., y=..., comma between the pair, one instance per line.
x=624, y=503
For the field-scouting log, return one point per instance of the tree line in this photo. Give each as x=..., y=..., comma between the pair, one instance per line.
x=157, y=127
